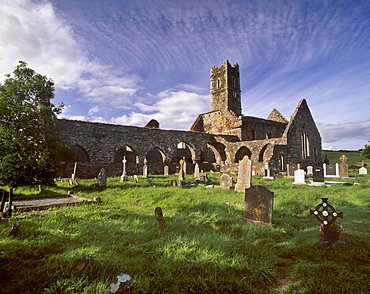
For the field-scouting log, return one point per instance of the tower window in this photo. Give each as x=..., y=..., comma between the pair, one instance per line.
x=218, y=83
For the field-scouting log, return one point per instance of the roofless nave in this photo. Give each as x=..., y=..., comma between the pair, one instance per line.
x=217, y=140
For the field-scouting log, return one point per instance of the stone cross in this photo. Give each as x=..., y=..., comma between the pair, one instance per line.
x=343, y=158
x=244, y=175
x=343, y=167
x=124, y=177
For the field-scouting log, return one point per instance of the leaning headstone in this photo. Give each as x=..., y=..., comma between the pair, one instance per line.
x=196, y=171
x=258, y=205
x=166, y=170
x=244, y=175
x=145, y=169
x=343, y=167
x=102, y=178
x=161, y=222
x=226, y=182
x=299, y=177
x=74, y=172
x=318, y=176
x=123, y=285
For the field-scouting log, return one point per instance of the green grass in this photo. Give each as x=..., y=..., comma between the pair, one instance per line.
x=204, y=249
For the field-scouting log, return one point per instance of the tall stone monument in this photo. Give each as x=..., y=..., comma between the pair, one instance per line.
x=145, y=169
x=124, y=177
x=343, y=167
x=244, y=175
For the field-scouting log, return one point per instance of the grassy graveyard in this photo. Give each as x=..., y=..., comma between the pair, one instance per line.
x=203, y=249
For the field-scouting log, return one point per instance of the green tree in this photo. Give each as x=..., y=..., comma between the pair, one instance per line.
x=29, y=146
x=365, y=153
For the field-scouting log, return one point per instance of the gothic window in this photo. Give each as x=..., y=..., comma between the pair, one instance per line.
x=305, y=146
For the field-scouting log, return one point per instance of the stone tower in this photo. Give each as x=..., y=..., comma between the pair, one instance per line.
x=225, y=88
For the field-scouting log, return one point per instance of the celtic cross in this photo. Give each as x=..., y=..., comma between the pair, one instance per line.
x=328, y=214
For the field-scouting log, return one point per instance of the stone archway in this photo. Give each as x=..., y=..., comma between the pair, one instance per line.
x=242, y=151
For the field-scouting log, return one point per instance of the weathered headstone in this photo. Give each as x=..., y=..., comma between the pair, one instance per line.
x=290, y=170
x=166, y=170
x=181, y=176
x=309, y=170
x=244, y=175
x=136, y=179
x=184, y=167
x=343, y=167
x=299, y=177
x=145, y=169
x=258, y=205
x=226, y=182
x=161, y=222
x=196, y=171
x=124, y=177
x=102, y=178
x=318, y=176
x=268, y=174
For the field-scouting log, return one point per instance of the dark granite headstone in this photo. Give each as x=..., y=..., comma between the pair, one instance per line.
x=331, y=170
x=318, y=174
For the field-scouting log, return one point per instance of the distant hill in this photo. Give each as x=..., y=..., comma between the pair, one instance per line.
x=354, y=159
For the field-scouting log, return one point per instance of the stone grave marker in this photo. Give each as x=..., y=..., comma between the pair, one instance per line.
x=161, y=222
x=166, y=170
x=268, y=174
x=244, y=175
x=318, y=176
x=184, y=166
x=124, y=177
x=102, y=178
x=309, y=170
x=226, y=182
x=74, y=172
x=290, y=170
x=145, y=169
x=258, y=205
x=343, y=167
x=181, y=176
x=202, y=178
x=196, y=171
x=136, y=179
x=363, y=169
x=331, y=171
x=299, y=177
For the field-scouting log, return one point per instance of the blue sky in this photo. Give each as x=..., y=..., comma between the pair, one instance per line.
x=128, y=61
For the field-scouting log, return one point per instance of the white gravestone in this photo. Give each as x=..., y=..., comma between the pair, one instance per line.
x=299, y=178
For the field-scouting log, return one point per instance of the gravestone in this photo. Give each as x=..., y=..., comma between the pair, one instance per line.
x=202, y=178
x=74, y=172
x=244, y=175
x=226, y=182
x=184, y=166
x=362, y=171
x=258, y=205
x=196, y=171
x=102, y=178
x=161, y=222
x=327, y=215
x=309, y=170
x=318, y=176
x=136, y=179
x=331, y=171
x=268, y=174
x=124, y=177
x=290, y=170
x=299, y=177
x=343, y=167
x=145, y=169
x=181, y=176
x=166, y=170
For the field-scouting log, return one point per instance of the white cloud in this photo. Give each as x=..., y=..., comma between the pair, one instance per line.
x=173, y=110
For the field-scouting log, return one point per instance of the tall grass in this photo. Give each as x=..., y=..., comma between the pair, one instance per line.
x=204, y=248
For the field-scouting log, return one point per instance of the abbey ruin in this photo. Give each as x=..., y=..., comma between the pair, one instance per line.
x=217, y=140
